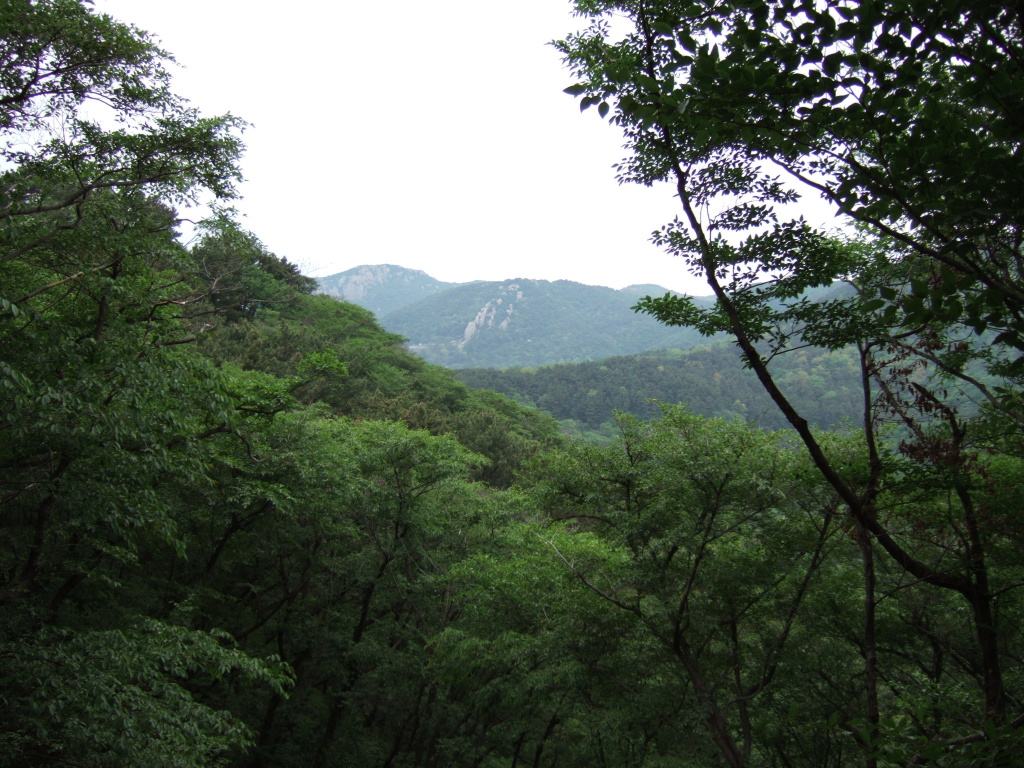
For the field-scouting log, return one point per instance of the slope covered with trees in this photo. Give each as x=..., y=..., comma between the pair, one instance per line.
x=169, y=524
x=242, y=527
x=336, y=354
x=710, y=380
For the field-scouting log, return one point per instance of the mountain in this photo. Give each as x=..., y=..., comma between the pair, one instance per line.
x=531, y=322
x=517, y=322
x=382, y=288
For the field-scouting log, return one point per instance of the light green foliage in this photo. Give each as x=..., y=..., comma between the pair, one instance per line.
x=705, y=569
x=538, y=659
x=661, y=581
x=711, y=544
x=310, y=337
x=121, y=698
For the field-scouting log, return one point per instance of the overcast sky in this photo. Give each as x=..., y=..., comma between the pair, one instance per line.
x=432, y=135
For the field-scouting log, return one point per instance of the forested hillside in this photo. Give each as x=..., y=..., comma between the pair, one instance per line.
x=334, y=353
x=710, y=380
x=241, y=526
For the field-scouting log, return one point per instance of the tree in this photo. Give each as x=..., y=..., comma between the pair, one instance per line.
x=103, y=404
x=710, y=539
x=906, y=116
x=241, y=275
x=322, y=541
x=69, y=73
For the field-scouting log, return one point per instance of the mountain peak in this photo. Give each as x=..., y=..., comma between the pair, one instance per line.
x=381, y=288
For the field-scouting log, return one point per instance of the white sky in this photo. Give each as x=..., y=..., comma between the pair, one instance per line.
x=432, y=135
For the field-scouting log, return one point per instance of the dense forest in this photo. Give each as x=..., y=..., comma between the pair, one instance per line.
x=710, y=380
x=242, y=526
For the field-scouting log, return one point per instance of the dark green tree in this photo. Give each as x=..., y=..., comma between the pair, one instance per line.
x=103, y=404
x=906, y=117
x=240, y=275
x=708, y=538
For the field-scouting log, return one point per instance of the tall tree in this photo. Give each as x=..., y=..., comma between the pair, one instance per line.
x=710, y=542
x=906, y=116
x=102, y=403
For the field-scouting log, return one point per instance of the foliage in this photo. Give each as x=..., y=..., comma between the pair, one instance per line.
x=379, y=378
x=710, y=380
x=904, y=116
x=331, y=550
x=102, y=406
x=241, y=275
x=241, y=525
x=119, y=697
x=710, y=543
x=63, y=66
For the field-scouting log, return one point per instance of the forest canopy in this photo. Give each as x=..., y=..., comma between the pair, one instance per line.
x=242, y=526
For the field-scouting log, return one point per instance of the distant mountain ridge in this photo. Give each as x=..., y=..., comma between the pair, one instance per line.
x=382, y=288
x=517, y=322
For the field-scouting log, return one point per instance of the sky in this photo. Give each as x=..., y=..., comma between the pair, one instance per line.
x=431, y=135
